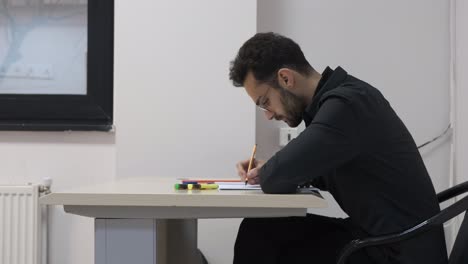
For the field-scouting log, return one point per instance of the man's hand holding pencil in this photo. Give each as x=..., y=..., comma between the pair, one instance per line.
x=248, y=169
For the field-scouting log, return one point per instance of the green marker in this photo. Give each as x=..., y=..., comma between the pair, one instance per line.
x=180, y=186
x=202, y=186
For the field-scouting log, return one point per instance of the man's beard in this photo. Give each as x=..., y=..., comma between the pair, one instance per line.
x=293, y=107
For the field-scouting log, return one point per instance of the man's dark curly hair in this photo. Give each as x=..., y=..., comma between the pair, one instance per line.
x=264, y=54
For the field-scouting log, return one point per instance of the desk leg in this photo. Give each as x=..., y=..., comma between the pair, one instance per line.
x=178, y=239
x=146, y=241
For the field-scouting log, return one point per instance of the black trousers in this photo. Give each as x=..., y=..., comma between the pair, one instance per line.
x=311, y=239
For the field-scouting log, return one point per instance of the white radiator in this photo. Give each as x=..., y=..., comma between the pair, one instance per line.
x=22, y=229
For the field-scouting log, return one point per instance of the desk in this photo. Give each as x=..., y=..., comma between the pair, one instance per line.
x=144, y=220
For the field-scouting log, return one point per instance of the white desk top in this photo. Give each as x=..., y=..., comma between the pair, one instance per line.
x=160, y=193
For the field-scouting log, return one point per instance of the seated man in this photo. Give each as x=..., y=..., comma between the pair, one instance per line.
x=354, y=146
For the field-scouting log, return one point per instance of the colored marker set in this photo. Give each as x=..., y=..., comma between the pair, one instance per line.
x=196, y=186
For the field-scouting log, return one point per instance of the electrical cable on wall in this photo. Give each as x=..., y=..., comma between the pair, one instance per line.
x=446, y=131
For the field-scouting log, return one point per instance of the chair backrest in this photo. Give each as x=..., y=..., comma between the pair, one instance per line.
x=459, y=253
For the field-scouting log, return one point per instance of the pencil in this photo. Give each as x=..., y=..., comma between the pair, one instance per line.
x=251, y=161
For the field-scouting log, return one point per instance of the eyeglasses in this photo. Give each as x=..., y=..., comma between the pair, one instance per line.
x=263, y=101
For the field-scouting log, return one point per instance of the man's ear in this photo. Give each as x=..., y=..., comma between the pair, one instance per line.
x=286, y=78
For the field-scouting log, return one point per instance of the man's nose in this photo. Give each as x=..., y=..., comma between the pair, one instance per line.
x=269, y=115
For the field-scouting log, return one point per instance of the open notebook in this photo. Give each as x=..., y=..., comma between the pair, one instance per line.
x=242, y=186
x=238, y=186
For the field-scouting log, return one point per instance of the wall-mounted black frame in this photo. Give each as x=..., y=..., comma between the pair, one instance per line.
x=93, y=111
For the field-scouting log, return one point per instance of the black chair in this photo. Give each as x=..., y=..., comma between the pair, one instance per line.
x=459, y=254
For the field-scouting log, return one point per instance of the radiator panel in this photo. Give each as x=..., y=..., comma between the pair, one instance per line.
x=20, y=222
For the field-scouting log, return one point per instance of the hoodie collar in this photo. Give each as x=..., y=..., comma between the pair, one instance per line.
x=330, y=80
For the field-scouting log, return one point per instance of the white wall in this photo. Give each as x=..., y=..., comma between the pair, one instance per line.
x=176, y=114
x=401, y=47
x=175, y=55
x=460, y=64
x=461, y=79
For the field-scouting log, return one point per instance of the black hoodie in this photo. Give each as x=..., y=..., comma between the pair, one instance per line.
x=358, y=149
